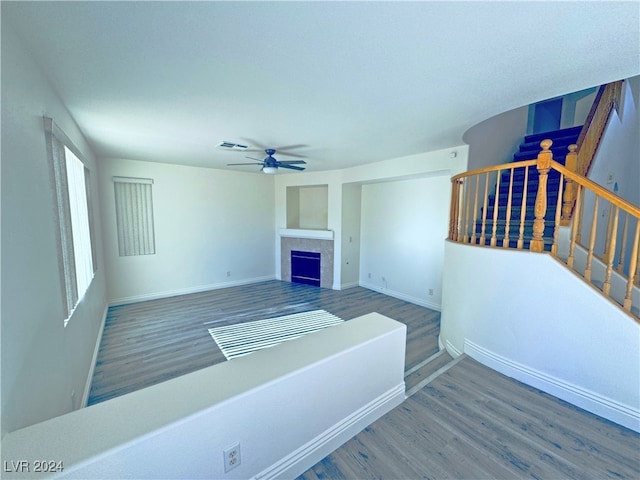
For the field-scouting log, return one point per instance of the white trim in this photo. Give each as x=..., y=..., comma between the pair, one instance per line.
x=453, y=351
x=303, y=233
x=315, y=450
x=185, y=291
x=346, y=286
x=593, y=402
x=402, y=296
x=94, y=360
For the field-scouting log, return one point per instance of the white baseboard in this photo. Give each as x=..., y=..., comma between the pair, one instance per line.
x=453, y=351
x=407, y=298
x=315, y=450
x=345, y=286
x=593, y=402
x=94, y=359
x=186, y=291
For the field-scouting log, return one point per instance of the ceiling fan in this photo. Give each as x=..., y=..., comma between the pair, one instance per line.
x=270, y=165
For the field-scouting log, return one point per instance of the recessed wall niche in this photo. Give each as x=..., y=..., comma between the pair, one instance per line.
x=308, y=207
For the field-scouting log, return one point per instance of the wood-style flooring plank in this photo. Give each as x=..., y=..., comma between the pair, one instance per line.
x=474, y=423
x=153, y=341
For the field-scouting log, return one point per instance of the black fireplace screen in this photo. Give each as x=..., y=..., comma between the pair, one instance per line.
x=305, y=267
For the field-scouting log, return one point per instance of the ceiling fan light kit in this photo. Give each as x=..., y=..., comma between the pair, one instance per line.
x=270, y=165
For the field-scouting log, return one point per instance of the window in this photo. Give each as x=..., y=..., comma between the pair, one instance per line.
x=134, y=216
x=76, y=253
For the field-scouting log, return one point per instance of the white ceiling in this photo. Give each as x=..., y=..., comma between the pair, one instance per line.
x=339, y=83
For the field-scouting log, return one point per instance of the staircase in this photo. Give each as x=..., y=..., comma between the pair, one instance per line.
x=529, y=149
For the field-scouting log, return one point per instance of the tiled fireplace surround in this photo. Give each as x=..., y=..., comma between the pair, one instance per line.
x=308, y=241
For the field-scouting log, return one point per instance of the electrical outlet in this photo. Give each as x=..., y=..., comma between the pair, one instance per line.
x=231, y=457
x=431, y=291
x=228, y=274
x=369, y=274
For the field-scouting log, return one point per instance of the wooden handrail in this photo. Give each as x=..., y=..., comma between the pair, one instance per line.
x=598, y=189
x=494, y=168
x=617, y=254
x=607, y=99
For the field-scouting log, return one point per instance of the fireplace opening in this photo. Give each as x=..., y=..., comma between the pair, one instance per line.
x=305, y=267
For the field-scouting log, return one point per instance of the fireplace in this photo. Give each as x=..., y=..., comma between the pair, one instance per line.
x=311, y=243
x=305, y=267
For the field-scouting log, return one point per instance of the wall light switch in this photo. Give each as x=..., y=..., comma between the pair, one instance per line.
x=609, y=178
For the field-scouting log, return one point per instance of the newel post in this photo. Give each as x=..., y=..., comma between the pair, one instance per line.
x=544, y=164
x=569, y=197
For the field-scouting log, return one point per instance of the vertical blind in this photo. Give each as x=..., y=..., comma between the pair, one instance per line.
x=134, y=216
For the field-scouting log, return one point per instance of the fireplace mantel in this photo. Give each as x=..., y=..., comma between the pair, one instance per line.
x=304, y=233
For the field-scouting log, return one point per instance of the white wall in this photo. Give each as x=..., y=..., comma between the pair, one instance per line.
x=531, y=318
x=42, y=361
x=619, y=150
x=313, y=207
x=495, y=140
x=208, y=223
x=351, y=219
x=404, y=224
x=288, y=406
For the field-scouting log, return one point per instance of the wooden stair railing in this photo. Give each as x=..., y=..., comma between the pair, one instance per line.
x=607, y=99
x=511, y=220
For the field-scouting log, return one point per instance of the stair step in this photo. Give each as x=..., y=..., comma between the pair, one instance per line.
x=559, y=157
x=420, y=376
x=530, y=147
x=538, y=137
x=560, y=145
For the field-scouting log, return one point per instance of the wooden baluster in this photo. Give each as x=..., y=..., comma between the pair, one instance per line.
x=574, y=227
x=556, y=225
x=578, y=218
x=636, y=277
x=496, y=206
x=484, y=209
x=592, y=240
x=475, y=211
x=453, y=212
x=459, y=205
x=634, y=265
x=505, y=240
x=607, y=251
x=523, y=209
x=569, y=198
x=612, y=251
x=467, y=209
x=623, y=247
x=452, y=209
x=543, y=166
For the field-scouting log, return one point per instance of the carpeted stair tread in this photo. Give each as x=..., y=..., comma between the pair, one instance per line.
x=564, y=132
x=530, y=147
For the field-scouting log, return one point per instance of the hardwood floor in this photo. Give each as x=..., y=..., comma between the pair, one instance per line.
x=149, y=342
x=467, y=423
x=474, y=423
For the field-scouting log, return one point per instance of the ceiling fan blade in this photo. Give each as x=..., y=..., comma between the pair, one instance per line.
x=287, y=154
x=253, y=145
x=229, y=164
x=256, y=159
x=292, y=167
x=292, y=162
